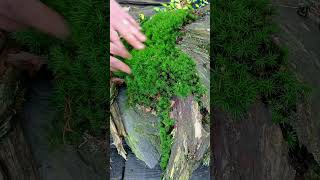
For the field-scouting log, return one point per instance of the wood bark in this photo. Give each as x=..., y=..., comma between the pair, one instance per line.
x=191, y=140
x=15, y=157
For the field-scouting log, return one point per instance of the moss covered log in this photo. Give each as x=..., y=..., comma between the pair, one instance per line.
x=249, y=65
x=162, y=72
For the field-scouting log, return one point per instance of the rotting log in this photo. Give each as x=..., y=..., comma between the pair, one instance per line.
x=117, y=130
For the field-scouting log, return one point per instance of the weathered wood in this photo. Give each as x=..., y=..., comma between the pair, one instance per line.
x=15, y=156
x=196, y=43
x=117, y=139
x=301, y=36
x=191, y=140
x=243, y=151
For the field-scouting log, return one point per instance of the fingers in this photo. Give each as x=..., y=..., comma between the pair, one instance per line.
x=117, y=65
x=114, y=37
x=35, y=14
x=119, y=50
x=133, y=36
x=10, y=25
x=126, y=26
x=133, y=22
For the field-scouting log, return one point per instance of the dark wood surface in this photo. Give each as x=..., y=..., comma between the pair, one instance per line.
x=251, y=148
x=15, y=156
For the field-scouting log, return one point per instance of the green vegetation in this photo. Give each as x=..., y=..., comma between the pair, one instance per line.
x=162, y=72
x=182, y=4
x=79, y=65
x=248, y=65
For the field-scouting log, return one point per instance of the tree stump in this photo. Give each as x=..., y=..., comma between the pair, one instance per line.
x=191, y=135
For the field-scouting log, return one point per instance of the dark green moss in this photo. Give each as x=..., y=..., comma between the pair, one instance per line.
x=248, y=65
x=79, y=66
x=162, y=72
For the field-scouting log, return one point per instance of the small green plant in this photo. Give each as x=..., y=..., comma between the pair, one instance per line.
x=162, y=72
x=182, y=4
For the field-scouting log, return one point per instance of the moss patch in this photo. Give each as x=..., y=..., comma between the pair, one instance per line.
x=79, y=65
x=247, y=64
x=162, y=72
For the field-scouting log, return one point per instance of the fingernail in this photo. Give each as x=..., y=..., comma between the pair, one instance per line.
x=141, y=46
x=144, y=38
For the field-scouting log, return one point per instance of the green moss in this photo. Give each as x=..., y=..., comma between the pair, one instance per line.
x=79, y=65
x=162, y=72
x=247, y=64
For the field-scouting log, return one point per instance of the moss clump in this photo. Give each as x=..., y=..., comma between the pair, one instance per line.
x=162, y=72
x=81, y=93
x=247, y=63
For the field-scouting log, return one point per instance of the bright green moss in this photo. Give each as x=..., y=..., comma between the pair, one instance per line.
x=162, y=72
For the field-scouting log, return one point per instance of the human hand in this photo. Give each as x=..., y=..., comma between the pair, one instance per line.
x=117, y=49
x=19, y=14
x=117, y=65
x=126, y=26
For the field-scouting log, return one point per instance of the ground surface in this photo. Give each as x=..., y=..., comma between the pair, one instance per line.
x=134, y=169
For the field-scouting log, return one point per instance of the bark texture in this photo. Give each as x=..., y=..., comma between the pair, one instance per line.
x=191, y=140
x=251, y=148
x=301, y=36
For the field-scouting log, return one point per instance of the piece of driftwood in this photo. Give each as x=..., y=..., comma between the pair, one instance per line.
x=191, y=140
x=117, y=130
x=251, y=148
